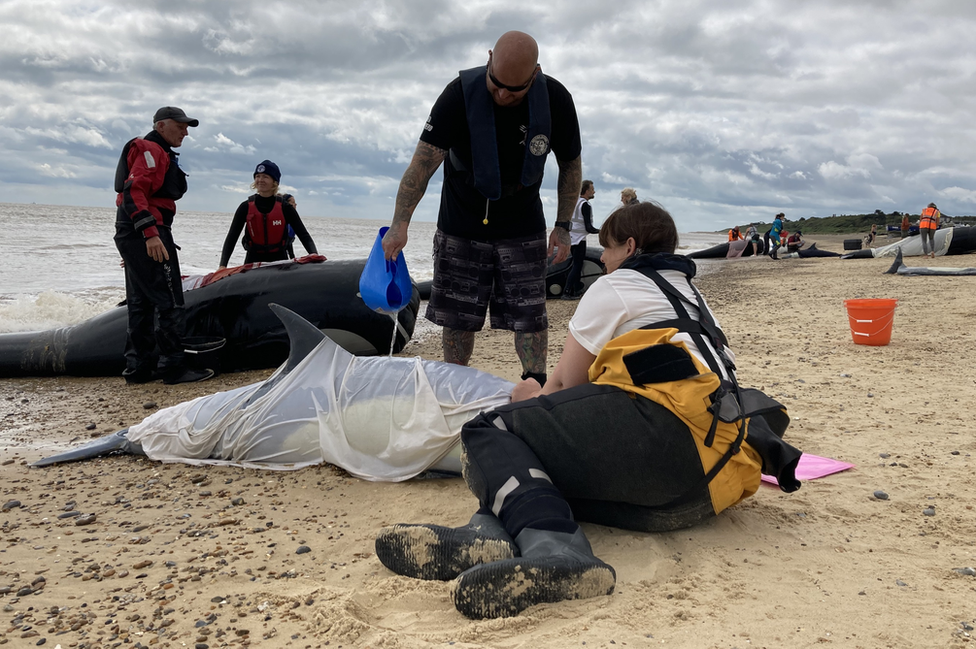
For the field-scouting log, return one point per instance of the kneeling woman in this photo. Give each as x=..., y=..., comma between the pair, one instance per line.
x=642, y=426
x=265, y=217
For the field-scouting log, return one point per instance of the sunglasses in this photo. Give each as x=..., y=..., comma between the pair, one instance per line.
x=501, y=85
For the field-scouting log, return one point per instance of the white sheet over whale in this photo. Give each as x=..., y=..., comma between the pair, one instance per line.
x=380, y=418
x=912, y=246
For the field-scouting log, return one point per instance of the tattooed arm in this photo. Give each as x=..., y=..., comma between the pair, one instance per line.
x=568, y=191
x=426, y=159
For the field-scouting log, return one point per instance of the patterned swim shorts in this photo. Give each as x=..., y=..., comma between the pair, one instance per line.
x=508, y=274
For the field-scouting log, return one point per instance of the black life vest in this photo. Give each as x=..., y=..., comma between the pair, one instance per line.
x=480, y=111
x=265, y=233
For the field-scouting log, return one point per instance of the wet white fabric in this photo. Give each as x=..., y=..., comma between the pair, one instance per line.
x=380, y=418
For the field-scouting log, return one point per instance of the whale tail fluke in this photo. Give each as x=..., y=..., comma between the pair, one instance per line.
x=895, y=265
x=107, y=444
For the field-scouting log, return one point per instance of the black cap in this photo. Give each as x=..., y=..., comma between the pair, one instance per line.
x=175, y=114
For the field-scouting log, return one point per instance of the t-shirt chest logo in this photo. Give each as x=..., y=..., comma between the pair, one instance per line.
x=539, y=145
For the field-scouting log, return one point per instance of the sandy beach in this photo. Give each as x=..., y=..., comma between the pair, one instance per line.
x=126, y=552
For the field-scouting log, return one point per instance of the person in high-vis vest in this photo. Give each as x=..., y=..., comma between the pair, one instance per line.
x=642, y=426
x=927, y=226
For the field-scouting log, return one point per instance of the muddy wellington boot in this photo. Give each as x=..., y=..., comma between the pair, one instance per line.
x=556, y=561
x=554, y=567
x=442, y=553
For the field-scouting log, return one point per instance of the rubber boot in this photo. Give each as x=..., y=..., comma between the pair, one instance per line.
x=442, y=553
x=556, y=561
x=554, y=567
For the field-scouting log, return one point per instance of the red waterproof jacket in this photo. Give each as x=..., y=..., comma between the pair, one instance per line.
x=149, y=182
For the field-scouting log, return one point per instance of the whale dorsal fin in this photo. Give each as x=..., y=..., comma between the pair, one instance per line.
x=303, y=336
x=895, y=265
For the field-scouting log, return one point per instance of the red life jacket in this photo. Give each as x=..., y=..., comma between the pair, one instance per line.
x=265, y=232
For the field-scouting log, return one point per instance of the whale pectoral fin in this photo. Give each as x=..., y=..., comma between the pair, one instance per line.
x=106, y=445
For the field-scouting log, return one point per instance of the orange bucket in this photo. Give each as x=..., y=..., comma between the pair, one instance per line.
x=871, y=320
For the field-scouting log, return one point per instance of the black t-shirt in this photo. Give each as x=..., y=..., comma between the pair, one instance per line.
x=462, y=209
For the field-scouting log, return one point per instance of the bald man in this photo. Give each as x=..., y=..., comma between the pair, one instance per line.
x=493, y=127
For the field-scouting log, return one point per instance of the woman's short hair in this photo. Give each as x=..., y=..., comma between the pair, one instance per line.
x=648, y=223
x=628, y=192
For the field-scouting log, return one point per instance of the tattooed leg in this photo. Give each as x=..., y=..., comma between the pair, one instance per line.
x=458, y=346
x=532, y=350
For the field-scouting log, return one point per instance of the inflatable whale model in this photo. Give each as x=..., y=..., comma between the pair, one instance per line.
x=231, y=305
x=556, y=274
x=899, y=268
x=379, y=418
x=948, y=241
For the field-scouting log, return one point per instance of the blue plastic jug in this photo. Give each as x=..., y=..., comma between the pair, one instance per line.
x=385, y=285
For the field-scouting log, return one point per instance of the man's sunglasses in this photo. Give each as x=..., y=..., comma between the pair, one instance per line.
x=501, y=85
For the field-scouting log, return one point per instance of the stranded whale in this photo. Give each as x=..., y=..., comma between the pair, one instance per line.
x=948, y=241
x=380, y=418
x=898, y=267
x=230, y=305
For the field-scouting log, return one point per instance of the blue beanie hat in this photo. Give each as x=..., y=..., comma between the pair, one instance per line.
x=270, y=168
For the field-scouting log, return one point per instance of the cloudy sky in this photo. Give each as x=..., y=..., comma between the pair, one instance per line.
x=724, y=111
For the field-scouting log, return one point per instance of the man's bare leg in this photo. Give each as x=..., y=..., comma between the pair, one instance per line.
x=533, y=351
x=458, y=345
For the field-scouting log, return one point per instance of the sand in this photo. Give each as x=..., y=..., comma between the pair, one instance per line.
x=180, y=556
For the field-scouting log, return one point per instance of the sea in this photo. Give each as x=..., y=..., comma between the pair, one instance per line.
x=59, y=265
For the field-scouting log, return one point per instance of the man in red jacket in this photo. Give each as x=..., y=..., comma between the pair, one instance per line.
x=149, y=182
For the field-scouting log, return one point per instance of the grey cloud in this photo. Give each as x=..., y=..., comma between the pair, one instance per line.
x=727, y=110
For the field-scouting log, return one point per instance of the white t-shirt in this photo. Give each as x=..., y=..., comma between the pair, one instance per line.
x=625, y=300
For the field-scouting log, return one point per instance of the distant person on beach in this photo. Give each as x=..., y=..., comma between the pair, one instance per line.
x=871, y=236
x=149, y=181
x=493, y=128
x=794, y=242
x=621, y=435
x=735, y=234
x=265, y=218
x=772, y=236
x=927, y=226
x=906, y=225
x=628, y=196
x=752, y=235
x=582, y=224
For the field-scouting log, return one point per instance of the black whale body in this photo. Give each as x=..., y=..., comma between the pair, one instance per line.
x=234, y=308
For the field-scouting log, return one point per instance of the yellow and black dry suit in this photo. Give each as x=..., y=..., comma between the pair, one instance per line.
x=656, y=441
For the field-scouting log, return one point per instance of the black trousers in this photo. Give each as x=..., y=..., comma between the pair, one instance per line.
x=615, y=459
x=573, y=284
x=154, y=299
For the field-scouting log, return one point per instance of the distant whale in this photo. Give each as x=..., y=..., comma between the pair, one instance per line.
x=233, y=307
x=948, y=241
x=898, y=267
x=806, y=253
x=379, y=418
x=740, y=248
